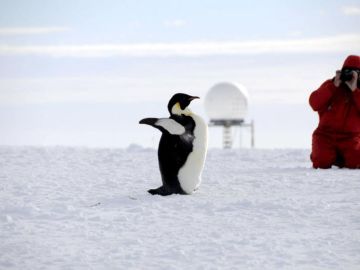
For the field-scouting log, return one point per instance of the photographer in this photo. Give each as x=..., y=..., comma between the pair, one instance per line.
x=336, y=140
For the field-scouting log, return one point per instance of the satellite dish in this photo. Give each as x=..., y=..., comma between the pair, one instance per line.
x=226, y=101
x=226, y=104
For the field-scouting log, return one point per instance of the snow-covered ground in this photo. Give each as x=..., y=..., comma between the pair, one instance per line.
x=79, y=208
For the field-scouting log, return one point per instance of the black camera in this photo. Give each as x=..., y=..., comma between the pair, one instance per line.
x=346, y=74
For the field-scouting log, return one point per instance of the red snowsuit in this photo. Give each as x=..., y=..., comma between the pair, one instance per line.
x=336, y=141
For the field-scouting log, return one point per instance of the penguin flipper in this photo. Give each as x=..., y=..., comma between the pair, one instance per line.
x=148, y=121
x=165, y=125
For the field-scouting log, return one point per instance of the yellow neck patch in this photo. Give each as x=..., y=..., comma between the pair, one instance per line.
x=176, y=109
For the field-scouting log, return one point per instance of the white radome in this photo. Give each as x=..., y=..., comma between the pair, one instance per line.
x=226, y=101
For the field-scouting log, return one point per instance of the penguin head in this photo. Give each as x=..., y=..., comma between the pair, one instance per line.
x=179, y=103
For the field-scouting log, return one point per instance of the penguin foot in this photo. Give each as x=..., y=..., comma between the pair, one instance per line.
x=160, y=191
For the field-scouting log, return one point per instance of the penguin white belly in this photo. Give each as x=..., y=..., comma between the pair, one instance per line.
x=190, y=173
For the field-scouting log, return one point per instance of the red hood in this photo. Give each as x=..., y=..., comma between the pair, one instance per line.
x=352, y=61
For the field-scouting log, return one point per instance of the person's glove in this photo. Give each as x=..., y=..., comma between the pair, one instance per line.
x=353, y=82
x=337, y=80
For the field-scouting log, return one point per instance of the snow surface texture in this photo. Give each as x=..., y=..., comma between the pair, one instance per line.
x=78, y=208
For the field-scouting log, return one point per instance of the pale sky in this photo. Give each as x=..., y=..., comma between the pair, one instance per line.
x=84, y=72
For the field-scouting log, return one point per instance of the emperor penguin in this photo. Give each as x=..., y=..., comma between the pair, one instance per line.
x=182, y=147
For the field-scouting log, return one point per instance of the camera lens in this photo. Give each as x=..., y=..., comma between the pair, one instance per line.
x=346, y=75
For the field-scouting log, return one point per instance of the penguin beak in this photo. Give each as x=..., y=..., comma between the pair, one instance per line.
x=192, y=98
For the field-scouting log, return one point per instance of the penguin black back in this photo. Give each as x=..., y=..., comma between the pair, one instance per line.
x=172, y=153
